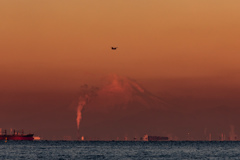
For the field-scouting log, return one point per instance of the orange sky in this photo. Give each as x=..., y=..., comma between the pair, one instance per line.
x=60, y=45
x=155, y=38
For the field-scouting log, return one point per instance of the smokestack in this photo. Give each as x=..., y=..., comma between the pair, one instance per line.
x=210, y=137
x=222, y=137
x=232, y=135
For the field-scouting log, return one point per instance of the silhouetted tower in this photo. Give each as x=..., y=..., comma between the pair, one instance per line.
x=210, y=137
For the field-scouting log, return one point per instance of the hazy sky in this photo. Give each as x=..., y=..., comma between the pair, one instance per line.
x=58, y=45
x=155, y=38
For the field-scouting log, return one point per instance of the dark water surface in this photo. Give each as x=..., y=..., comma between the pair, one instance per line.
x=119, y=150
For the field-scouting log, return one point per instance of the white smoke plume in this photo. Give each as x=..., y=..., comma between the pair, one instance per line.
x=84, y=98
x=81, y=104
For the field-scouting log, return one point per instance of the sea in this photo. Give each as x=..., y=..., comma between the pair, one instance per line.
x=119, y=150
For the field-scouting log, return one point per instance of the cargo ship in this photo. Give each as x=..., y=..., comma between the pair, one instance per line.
x=154, y=138
x=16, y=136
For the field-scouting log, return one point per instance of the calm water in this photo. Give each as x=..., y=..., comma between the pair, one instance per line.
x=118, y=150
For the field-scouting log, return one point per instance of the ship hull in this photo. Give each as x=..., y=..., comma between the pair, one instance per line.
x=28, y=137
x=157, y=138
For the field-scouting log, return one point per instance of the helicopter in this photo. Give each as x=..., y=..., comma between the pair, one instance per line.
x=114, y=48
